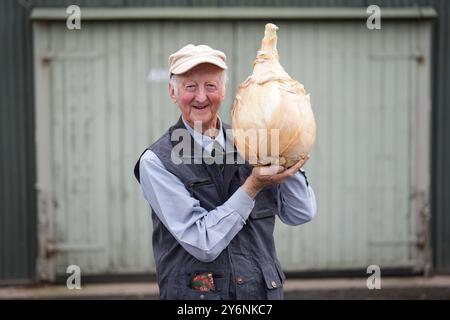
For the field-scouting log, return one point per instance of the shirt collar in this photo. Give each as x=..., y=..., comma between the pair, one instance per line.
x=205, y=141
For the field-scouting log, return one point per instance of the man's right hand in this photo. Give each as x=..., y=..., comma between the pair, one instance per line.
x=270, y=175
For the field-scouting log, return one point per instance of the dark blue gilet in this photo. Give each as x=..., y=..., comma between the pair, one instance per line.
x=248, y=268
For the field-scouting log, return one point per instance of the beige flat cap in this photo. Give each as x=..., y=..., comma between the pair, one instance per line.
x=190, y=56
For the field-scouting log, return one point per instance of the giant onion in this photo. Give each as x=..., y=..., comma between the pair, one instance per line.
x=274, y=108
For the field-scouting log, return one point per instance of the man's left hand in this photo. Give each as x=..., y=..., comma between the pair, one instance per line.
x=270, y=175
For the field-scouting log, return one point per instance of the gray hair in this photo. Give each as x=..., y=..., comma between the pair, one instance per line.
x=174, y=81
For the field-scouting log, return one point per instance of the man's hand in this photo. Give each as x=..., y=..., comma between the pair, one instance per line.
x=270, y=175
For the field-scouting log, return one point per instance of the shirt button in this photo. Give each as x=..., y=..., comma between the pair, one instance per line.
x=240, y=280
x=202, y=296
x=274, y=284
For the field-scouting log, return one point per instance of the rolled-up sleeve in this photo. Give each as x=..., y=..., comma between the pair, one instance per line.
x=296, y=200
x=204, y=234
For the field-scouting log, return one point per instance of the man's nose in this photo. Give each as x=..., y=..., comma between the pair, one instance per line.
x=201, y=95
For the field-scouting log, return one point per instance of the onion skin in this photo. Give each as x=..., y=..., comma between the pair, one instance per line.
x=275, y=108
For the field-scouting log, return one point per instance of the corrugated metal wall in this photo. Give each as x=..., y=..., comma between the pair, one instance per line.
x=15, y=32
x=17, y=155
x=440, y=169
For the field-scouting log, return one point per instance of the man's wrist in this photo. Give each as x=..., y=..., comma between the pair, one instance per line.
x=251, y=187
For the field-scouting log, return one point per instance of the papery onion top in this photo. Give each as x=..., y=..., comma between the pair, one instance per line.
x=272, y=117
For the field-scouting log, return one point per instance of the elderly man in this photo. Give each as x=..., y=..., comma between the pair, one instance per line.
x=213, y=223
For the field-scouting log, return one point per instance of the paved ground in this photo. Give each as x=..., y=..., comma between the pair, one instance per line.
x=437, y=287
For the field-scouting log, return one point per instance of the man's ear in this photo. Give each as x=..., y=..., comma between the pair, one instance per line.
x=172, y=94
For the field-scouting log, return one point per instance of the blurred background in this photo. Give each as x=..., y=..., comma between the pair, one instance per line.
x=79, y=106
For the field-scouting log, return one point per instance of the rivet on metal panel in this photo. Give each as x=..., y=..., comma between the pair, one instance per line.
x=420, y=58
x=45, y=59
x=50, y=249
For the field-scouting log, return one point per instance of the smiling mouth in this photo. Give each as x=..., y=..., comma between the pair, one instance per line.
x=201, y=107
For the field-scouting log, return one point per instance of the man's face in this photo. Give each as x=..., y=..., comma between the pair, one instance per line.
x=199, y=94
